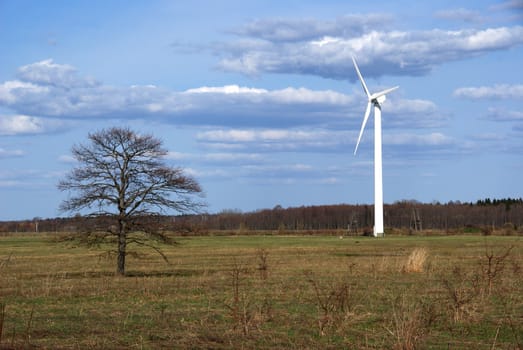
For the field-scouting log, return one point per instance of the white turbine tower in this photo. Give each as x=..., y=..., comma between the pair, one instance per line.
x=375, y=99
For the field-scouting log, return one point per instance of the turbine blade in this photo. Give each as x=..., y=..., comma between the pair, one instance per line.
x=361, y=78
x=367, y=113
x=377, y=95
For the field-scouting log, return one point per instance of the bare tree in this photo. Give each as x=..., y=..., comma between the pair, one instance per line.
x=121, y=176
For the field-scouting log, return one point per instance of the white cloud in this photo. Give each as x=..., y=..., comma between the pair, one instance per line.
x=253, y=135
x=326, y=40
x=11, y=91
x=498, y=114
x=379, y=52
x=413, y=113
x=19, y=124
x=306, y=96
x=288, y=95
x=412, y=106
x=227, y=89
x=432, y=139
x=493, y=38
x=227, y=105
x=498, y=91
x=66, y=98
x=276, y=140
x=5, y=153
x=214, y=158
x=23, y=124
x=228, y=135
x=47, y=72
x=288, y=30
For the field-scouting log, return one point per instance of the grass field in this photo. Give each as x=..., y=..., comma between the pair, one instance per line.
x=266, y=292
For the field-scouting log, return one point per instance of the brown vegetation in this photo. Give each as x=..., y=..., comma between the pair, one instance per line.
x=417, y=260
x=265, y=292
x=503, y=217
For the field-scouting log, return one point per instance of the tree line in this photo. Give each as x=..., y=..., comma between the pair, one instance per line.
x=412, y=215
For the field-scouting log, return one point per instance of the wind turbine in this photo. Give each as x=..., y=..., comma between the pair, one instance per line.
x=375, y=99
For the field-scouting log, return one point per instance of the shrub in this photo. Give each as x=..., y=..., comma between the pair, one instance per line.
x=416, y=260
x=407, y=324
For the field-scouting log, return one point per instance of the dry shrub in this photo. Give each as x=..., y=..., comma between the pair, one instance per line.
x=408, y=324
x=247, y=312
x=263, y=265
x=416, y=260
x=240, y=306
x=334, y=303
x=493, y=266
x=463, y=294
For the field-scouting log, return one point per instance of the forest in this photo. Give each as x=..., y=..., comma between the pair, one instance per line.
x=485, y=215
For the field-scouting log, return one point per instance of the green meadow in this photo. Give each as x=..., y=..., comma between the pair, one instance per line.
x=265, y=292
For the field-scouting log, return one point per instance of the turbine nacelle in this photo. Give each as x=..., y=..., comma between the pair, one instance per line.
x=380, y=97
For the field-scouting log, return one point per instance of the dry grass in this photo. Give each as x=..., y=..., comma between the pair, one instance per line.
x=417, y=260
x=261, y=292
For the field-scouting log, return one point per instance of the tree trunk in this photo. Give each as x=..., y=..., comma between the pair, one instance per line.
x=122, y=242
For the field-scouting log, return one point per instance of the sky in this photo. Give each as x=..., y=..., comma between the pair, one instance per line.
x=259, y=100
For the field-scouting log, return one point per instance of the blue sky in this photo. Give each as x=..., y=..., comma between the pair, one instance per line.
x=259, y=99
